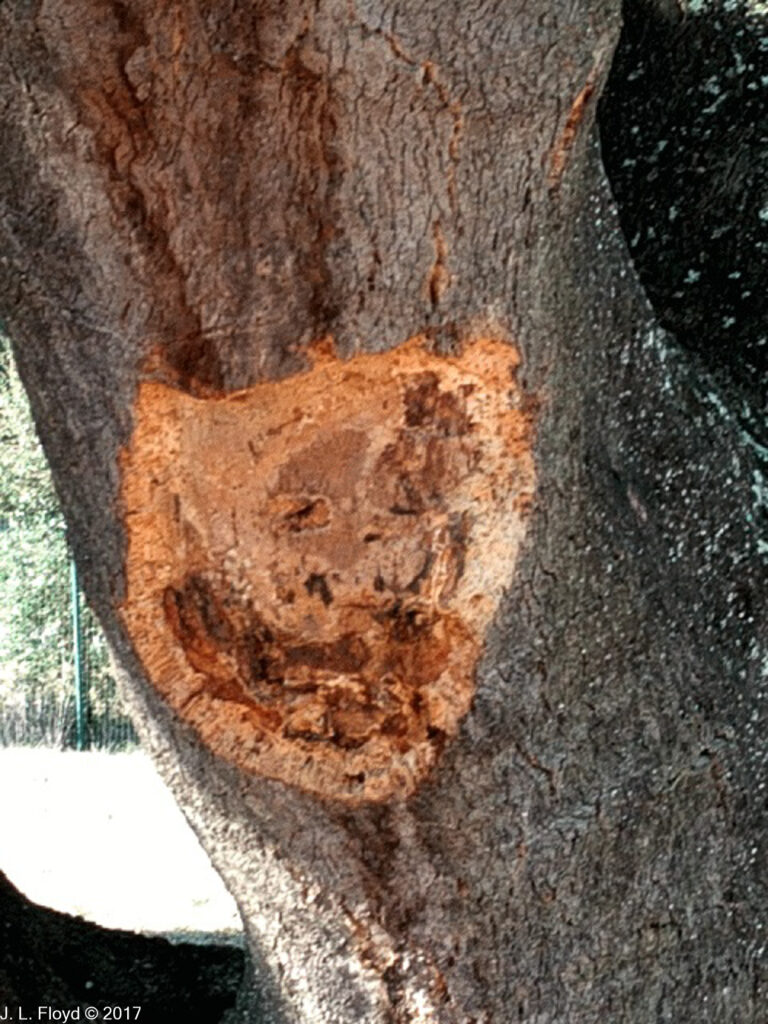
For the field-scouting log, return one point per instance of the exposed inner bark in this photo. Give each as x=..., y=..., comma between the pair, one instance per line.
x=313, y=563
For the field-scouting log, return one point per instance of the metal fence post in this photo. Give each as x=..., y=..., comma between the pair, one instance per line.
x=81, y=690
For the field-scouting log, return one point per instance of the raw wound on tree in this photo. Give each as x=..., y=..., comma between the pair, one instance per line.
x=312, y=563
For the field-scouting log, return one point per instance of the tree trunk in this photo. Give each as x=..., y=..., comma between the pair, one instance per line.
x=430, y=562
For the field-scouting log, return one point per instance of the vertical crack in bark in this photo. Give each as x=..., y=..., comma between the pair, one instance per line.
x=430, y=77
x=114, y=103
x=184, y=129
x=577, y=116
x=439, y=279
x=567, y=138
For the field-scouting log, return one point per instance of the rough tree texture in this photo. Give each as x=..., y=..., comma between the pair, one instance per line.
x=195, y=199
x=691, y=196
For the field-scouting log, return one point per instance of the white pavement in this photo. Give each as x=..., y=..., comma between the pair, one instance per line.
x=99, y=835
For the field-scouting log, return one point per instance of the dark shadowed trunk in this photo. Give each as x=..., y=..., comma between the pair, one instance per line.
x=431, y=563
x=52, y=959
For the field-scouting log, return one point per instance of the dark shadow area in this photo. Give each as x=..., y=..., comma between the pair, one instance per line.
x=52, y=959
x=684, y=130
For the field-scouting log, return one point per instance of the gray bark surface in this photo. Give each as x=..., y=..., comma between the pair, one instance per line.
x=199, y=191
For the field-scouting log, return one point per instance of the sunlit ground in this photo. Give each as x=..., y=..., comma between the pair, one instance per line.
x=98, y=835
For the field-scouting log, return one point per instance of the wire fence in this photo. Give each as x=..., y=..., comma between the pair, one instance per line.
x=69, y=700
x=56, y=685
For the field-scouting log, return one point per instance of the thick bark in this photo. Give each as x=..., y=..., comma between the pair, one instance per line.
x=194, y=198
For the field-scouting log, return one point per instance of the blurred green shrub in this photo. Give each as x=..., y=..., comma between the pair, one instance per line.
x=36, y=650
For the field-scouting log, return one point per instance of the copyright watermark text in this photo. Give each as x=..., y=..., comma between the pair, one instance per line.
x=63, y=1015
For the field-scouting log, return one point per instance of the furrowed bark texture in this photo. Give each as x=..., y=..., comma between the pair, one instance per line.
x=203, y=207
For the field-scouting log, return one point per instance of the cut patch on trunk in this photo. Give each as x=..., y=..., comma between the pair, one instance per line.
x=312, y=563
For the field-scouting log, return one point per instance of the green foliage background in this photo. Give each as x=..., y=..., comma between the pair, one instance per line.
x=36, y=647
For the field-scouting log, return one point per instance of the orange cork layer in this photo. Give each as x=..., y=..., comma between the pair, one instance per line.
x=312, y=563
